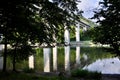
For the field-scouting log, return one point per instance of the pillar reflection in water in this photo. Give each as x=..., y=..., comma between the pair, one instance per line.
x=77, y=55
x=67, y=49
x=31, y=61
x=67, y=58
x=78, y=46
x=1, y=58
x=46, y=52
x=55, y=58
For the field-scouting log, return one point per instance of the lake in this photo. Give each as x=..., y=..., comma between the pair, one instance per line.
x=90, y=58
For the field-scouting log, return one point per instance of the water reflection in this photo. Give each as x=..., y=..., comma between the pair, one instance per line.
x=85, y=57
x=1, y=63
x=105, y=66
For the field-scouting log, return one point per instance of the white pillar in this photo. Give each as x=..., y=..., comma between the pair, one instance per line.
x=67, y=36
x=55, y=58
x=31, y=62
x=77, y=33
x=77, y=46
x=46, y=52
x=67, y=50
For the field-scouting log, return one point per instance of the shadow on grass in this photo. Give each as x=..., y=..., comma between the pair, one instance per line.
x=85, y=74
x=28, y=76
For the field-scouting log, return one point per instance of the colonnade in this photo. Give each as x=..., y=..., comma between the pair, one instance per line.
x=47, y=52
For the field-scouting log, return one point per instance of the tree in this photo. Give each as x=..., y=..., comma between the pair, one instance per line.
x=108, y=17
x=24, y=21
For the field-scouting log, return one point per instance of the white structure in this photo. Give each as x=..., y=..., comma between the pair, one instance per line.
x=1, y=63
x=55, y=58
x=67, y=58
x=77, y=33
x=55, y=54
x=46, y=52
x=78, y=46
x=1, y=47
x=31, y=61
x=67, y=49
x=77, y=55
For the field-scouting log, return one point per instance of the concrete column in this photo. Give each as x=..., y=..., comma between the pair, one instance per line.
x=77, y=33
x=77, y=46
x=46, y=52
x=67, y=36
x=67, y=50
x=31, y=62
x=55, y=58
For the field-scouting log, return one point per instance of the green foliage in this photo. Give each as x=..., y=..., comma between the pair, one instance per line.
x=34, y=21
x=39, y=63
x=86, y=74
x=86, y=35
x=72, y=34
x=109, y=30
x=22, y=52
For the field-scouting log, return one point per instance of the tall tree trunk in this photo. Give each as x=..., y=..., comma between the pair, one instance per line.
x=5, y=55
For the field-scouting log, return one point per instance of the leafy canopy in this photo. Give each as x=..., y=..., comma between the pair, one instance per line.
x=34, y=21
x=108, y=17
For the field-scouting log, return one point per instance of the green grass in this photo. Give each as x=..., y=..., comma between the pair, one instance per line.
x=24, y=76
x=81, y=75
x=86, y=74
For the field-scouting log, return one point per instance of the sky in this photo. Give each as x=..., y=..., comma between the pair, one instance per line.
x=88, y=6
